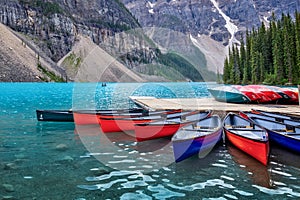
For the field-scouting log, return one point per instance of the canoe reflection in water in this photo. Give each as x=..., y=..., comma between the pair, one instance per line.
x=258, y=172
x=282, y=157
x=120, y=151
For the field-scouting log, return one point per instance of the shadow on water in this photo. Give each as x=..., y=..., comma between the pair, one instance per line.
x=196, y=162
x=259, y=173
x=123, y=139
x=282, y=156
x=45, y=128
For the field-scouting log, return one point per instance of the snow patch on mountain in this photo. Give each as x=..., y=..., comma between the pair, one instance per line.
x=150, y=7
x=231, y=27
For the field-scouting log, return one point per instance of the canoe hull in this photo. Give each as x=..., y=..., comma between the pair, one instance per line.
x=168, y=127
x=85, y=119
x=287, y=136
x=257, y=149
x=184, y=149
x=119, y=125
x=149, y=132
x=55, y=115
x=289, y=143
x=229, y=97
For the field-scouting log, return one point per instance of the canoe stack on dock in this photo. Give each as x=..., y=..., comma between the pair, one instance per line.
x=255, y=94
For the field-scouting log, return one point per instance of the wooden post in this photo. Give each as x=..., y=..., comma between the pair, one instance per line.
x=299, y=94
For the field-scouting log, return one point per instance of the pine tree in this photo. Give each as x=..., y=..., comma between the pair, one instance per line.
x=237, y=68
x=226, y=71
x=278, y=54
x=297, y=39
x=248, y=57
x=231, y=67
x=287, y=47
x=243, y=66
x=270, y=55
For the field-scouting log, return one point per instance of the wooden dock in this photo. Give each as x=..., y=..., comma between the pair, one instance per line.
x=153, y=103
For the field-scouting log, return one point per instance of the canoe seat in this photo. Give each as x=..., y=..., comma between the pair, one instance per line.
x=200, y=129
x=237, y=126
x=293, y=134
x=204, y=127
x=283, y=130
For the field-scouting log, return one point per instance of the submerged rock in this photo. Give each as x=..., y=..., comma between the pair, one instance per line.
x=8, y=198
x=9, y=166
x=8, y=187
x=61, y=147
x=66, y=159
x=20, y=156
x=101, y=170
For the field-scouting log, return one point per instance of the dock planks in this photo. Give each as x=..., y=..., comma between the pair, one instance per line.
x=153, y=103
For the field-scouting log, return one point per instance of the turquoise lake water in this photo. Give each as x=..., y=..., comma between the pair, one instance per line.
x=50, y=160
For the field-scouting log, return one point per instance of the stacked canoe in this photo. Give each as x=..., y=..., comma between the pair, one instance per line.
x=255, y=94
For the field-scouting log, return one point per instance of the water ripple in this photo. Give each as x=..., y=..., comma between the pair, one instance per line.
x=283, y=190
x=132, y=184
x=145, y=178
x=111, y=174
x=219, y=165
x=281, y=173
x=121, y=161
x=102, y=187
x=241, y=192
x=230, y=196
x=227, y=178
x=164, y=193
x=138, y=195
x=199, y=186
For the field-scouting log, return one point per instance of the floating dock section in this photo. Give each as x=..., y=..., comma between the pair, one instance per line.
x=152, y=103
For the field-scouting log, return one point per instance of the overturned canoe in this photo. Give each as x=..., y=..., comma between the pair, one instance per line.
x=228, y=94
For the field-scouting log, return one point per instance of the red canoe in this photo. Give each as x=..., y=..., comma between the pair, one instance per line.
x=127, y=123
x=248, y=137
x=249, y=93
x=274, y=96
x=293, y=95
x=85, y=117
x=167, y=127
x=262, y=98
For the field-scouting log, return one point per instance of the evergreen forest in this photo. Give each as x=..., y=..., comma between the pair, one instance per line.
x=268, y=55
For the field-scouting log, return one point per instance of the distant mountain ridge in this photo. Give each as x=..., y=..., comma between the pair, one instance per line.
x=214, y=18
x=137, y=34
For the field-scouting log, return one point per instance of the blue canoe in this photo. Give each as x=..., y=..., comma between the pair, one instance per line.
x=228, y=94
x=273, y=118
x=199, y=137
x=285, y=135
x=276, y=115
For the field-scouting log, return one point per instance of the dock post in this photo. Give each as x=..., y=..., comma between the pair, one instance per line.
x=299, y=94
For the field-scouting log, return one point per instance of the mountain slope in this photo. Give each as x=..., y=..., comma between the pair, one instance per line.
x=18, y=61
x=88, y=62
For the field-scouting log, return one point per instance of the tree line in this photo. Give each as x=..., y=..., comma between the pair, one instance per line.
x=268, y=55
